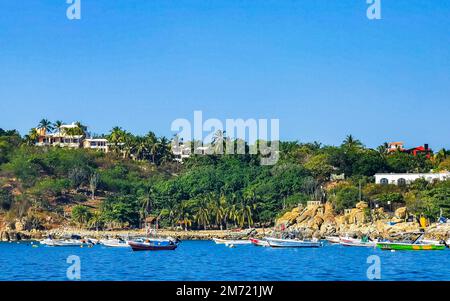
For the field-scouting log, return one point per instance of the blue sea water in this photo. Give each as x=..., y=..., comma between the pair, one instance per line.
x=204, y=260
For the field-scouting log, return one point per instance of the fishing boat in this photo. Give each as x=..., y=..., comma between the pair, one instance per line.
x=153, y=245
x=62, y=243
x=292, y=243
x=114, y=243
x=232, y=242
x=333, y=239
x=418, y=245
x=259, y=242
x=399, y=246
x=355, y=242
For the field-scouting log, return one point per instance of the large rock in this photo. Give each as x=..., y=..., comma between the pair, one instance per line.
x=401, y=213
x=307, y=214
x=362, y=205
x=289, y=218
x=19, y=226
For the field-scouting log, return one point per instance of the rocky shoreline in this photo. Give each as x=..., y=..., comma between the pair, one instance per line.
x=320, y=220
x=313, y=221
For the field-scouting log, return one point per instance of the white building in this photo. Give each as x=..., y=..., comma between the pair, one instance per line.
x=68, y=136
x=62, y=137
x=96, y=144
x=408, y=178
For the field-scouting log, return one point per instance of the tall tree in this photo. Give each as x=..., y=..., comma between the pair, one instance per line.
x=45, y=124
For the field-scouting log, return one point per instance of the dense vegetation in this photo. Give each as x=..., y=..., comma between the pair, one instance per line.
x=139, y=179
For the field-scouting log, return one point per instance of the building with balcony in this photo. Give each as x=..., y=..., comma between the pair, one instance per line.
x=99, y=144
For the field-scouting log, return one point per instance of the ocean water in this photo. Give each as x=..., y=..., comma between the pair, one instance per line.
x=204, y=260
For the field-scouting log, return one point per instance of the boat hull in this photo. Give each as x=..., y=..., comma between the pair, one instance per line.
x=231, y=242
x=333, y=240
x=357, y=243
x=259, y=242
x=410, y=247
x=62, y=243
x=114, y=244
x=137, y=246
x=291, y=243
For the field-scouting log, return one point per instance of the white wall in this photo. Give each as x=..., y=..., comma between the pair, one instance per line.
x=411, y=177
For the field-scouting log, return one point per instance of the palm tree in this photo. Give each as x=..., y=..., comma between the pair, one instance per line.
x=165, y=154
x=351, y=142
x=219, y=142
x=32, y=137
x=182, y=215
x=58, y=125
x=140, y=148
x=117, y=139
x=95, y=221
x=245, y=215
x=81, y=128
x=218, y=209
x=233, y=214
x=440, y=156
x=46, y=125
x=382, y=149
x=152, y=144
x=202, y=215
x=146, y=201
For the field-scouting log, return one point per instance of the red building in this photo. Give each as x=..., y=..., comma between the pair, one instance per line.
x=399, y=146
x=421, y=150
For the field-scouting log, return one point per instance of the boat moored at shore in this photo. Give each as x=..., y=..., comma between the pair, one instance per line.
x=292, y=243
x=398, y=246
x=153, y=245
x=259, y=242
x=232, y=242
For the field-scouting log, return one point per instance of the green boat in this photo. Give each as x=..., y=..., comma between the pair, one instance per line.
x=409, y=246
x=416, y=245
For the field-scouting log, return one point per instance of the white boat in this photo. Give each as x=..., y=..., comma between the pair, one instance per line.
x=232, y=242
x=357, y=242
x=333, y=239
x=61, y=243
x=292, y=243
x=114, y=243
x=92, y=241
x=259, y=242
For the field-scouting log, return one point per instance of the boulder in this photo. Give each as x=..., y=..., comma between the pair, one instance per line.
x=307, y=214
x=289, y=218
x=19, y=226
x=362, y=205
x=401, y=213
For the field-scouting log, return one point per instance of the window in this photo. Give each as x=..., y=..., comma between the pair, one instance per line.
x=384, y=181
x=401, y=182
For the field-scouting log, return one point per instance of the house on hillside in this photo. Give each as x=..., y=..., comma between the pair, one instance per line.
x=408, y=178
x=63, y=137
x=400, y=146
x=68, y=135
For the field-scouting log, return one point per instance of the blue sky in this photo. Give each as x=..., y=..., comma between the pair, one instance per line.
x=319, y=66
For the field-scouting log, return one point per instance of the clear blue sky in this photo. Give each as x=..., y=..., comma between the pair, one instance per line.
x=320, y=66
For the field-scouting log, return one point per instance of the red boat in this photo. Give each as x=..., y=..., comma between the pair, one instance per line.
x=153, y=246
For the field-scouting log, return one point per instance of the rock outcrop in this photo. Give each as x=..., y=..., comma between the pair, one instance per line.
x=321, y=220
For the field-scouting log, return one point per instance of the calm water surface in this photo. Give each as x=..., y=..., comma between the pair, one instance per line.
x=204, y=260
